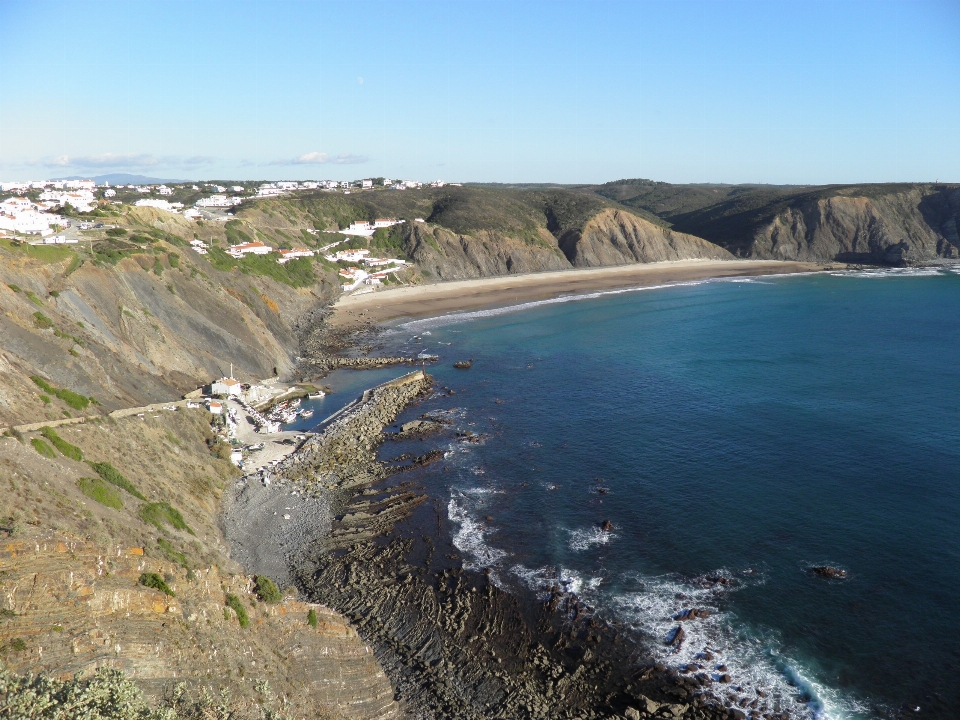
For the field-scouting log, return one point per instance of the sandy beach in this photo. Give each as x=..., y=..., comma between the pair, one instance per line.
x=458, y=296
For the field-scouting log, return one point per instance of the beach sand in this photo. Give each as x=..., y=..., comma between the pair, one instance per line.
x=457, y=296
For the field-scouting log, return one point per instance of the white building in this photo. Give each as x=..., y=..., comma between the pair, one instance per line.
x=20, y=215
x=81, y=184
x=386, y=222
x=109, y=192
x=349, y=256
x=309, y=185
x=164, y=190
x=57, y=240
x=366, y=184
x=267, y=190
x=197, y=245
x=218, y=201
x=250, y=248
x=226, y=386
x=288, y=185
x=237, y=188
x=288, y=255
x=159, y=204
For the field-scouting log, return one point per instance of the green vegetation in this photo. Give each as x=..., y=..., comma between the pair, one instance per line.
x=41, y=447
x=116, y=232
x=48, y=253
x=14, y=433
x=74, y=265
x=267, y=590
x=70, y=451
x=54, y=294
x=15, y=645
x=157, y=267
x=235, y=233
x=155, y=581
x=171, y=553
x=160, y=514
x=233, y=602
x=33, y=298
x=174, y=260
x=109, y=473
x=97, y=489
x=71, y=398
x=45, y=399
x=41, y=321
x=15, y=288
x=312, y=618
x=220, y=260
x=67, y=336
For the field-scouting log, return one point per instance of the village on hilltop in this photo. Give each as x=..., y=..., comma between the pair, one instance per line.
x=41, y=212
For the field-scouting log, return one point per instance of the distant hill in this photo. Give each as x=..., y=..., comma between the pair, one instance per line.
x=121, y=179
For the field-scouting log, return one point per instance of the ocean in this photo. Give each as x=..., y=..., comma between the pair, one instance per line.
x=736, y=434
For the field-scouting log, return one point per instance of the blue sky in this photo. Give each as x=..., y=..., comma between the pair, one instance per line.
x=682, y=91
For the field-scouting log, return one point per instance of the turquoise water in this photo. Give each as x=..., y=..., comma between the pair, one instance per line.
x=748, y=430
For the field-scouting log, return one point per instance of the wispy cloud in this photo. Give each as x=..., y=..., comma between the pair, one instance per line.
x=122, y=161
x=106, y=160
x=199, y=160
x=322, y=158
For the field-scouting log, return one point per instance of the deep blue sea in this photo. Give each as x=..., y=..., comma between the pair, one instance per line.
x=747, y=430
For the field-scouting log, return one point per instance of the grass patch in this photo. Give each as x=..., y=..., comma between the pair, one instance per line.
x=15, y=288
x=48, y=253
x=70, y=451
x=41, y=321
x=171, y=553
x=312, y=618
x=155, y=581
x=41, y=447
x=71, y=398
x=110, y=474
x=74, y=265
x=33, y=298
x=97, y=489
x=160, y=514
x=267, y=590
x=45, y=399
x=233, y=602
x=174, y=260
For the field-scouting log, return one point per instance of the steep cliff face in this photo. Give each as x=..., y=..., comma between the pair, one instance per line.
x=615, y=237
x=445, y=255
x=143, y=330
x=899, y=228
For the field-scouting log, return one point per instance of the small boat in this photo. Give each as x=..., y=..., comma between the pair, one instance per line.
x=306, y=413
x=427, y=356
x=317, y=395
x=463, y=364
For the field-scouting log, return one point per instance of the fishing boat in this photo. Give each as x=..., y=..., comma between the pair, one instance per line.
x=317, y=395
x=306, y=413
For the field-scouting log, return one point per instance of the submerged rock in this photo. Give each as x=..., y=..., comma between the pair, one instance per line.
x=829, y=571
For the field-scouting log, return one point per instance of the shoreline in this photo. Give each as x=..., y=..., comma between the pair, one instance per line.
x=435, y=300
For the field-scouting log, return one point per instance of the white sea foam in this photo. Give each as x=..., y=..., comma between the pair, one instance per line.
x=589, y=537
x=882, y=273
x=470, y=536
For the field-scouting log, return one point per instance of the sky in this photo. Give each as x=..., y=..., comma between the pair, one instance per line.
x=735, y=91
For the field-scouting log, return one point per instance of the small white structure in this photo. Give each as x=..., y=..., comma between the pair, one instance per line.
x=349, y=256
x=236, y=457
x=225, y=386
x=198, y=245
x=251, y=248
x=215, y=407
x=164, y=190
x=109, y=192
x=159, y=204
x=192, y=214
x=218, y=201
x=269, y=191
x=366, y=184
x=288, y=255
x=237, y=188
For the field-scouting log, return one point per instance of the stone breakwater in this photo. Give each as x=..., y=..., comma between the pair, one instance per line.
x=451, y=641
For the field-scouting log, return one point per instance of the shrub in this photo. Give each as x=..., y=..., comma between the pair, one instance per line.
x=109, y=473
x=267, y=589
x=116, y=232
x=41, y=321
x=160, y=513
x=71, y=398
x=15, y=645
x=233, y=602
x=155, y=581
x=97, y=489
x=34, y=299
x=174, y=260
x=41, y=447
x=45, y=400
x=171, y=553
x=15, y=288
x=312, y=618
x=70, y=451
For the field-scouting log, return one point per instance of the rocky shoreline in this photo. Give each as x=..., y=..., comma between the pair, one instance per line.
x=452, y=642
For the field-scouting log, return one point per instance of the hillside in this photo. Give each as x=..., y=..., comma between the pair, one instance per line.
x=75, y=550
x=903, y=223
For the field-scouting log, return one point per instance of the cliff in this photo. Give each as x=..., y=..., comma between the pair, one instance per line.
x=886, y=224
